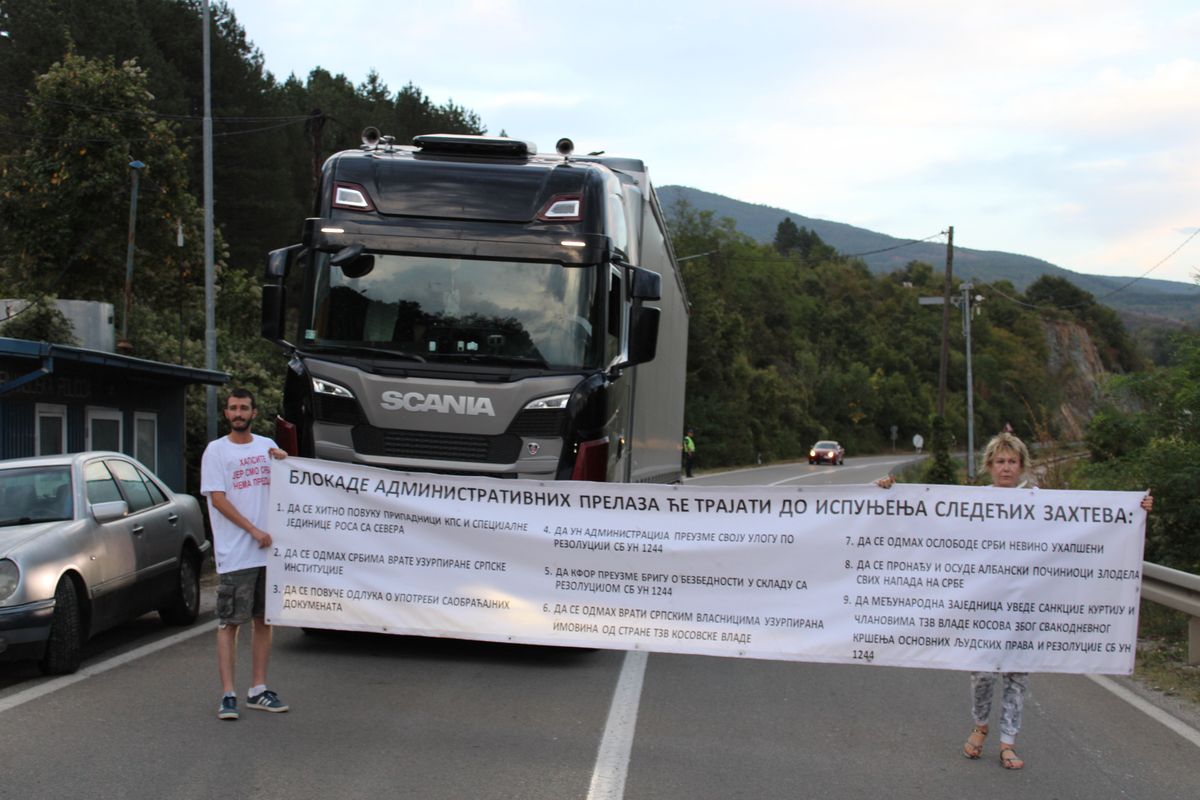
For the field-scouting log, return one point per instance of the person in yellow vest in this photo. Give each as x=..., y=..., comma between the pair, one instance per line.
x=689, y=452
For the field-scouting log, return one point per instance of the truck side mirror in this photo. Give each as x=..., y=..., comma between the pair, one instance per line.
x=279, y=262
x=352, y=261
x=274, y=295
x=645, y=285
x=643, y=334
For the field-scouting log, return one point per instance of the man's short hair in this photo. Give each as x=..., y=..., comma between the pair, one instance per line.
x=242, y=393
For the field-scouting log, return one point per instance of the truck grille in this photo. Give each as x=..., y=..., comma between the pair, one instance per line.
x=538, y=424
x=440, y=446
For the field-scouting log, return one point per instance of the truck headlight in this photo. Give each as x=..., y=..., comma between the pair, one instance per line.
x=10, y=576
x=555, y=402
x=322, y=386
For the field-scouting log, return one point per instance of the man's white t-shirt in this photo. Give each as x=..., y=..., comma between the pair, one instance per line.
x=243, y=473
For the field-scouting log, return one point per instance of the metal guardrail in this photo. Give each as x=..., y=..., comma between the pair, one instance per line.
x=1177, y=590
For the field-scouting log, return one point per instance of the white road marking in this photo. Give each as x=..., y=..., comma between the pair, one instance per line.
x=1149, y=709
x=612, y=761
x=53, y=685
x=875, y=465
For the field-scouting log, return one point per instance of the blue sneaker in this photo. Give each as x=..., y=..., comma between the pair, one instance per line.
x=267, y=701
x=228, y=709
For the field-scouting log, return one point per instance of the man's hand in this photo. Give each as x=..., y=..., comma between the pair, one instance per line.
x=262, y=537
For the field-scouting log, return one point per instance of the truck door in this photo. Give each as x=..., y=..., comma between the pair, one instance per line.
x=620, y=428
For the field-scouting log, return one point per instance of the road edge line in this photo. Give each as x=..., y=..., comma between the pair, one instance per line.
x=1146, y=707
x=62, y=682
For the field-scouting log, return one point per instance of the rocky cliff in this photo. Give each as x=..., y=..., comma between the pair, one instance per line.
x=1074, y=365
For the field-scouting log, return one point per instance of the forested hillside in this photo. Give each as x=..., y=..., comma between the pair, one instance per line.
x=1145, y=302
x=792, y=342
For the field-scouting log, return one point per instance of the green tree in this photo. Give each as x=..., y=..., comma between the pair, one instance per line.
x=787, y=236
x=1148, y=437
x=40, y=321
x=941, y=467
x=65, y=201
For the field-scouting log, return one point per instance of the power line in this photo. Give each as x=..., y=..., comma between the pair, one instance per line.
x=115, y=112
x=894, y=247
x=1161, y=261
x=1115, y=291
x=98, y=140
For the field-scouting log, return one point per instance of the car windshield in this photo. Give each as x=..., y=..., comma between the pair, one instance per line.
x=35, y=494
x=426, y=308
x=825, y=446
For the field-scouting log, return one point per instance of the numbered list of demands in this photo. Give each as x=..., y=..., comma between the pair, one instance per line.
x=918, y=576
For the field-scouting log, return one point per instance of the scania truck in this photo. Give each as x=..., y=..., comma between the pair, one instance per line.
x=468, y=306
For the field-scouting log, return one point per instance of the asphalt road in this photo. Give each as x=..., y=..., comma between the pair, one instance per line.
x=380, y=716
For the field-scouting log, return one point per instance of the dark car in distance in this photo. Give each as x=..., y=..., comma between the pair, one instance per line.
x=826, y=452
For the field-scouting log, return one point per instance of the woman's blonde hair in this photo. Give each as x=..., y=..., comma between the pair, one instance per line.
x=1005, y=441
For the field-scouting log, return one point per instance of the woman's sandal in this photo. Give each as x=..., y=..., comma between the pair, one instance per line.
x=973, y=747
x=1009, y=758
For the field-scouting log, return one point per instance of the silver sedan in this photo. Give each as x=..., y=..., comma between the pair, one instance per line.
x=88, y=541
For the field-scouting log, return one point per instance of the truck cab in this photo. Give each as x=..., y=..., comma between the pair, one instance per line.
x=465, y=305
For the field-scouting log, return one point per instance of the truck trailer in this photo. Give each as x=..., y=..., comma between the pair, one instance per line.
x=468, y=306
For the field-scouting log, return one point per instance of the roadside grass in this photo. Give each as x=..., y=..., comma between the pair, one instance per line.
x=1161, y=663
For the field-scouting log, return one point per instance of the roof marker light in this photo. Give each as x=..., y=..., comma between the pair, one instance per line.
x=562, y=208
x=351, y=196
x=572, y=243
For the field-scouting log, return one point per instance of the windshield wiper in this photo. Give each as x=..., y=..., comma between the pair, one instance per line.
x=364, y=350
x=4, y=523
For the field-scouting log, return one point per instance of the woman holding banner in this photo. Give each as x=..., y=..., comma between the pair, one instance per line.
x=1005, y=459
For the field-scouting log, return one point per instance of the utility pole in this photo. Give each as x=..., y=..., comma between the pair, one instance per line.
x=945, y=355
x=966, y=303
x=315, y=126
x=135, y=169
x=966, y=309
x=210, y=294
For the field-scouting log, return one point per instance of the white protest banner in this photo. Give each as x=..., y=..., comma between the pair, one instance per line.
x=915, y=576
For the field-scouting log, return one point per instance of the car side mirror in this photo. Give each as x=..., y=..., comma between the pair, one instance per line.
x=107, y=512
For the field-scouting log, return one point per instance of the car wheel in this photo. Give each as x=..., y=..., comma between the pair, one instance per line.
x=64, y=648
x=184, y=604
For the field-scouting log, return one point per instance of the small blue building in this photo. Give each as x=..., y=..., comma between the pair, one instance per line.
x=60, y=399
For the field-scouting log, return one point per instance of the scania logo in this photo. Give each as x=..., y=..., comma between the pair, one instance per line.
x=441, y=403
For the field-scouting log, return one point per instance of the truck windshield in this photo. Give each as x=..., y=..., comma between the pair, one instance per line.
x=445, y=308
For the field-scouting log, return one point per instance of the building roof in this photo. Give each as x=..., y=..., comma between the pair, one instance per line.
x=48, y=354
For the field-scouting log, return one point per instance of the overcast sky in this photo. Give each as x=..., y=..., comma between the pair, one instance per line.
x=1065, y=130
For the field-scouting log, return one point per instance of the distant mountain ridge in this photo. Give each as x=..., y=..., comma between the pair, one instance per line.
x=1148, y=301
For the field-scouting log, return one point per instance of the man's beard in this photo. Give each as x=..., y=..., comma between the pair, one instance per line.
x=239, y=425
